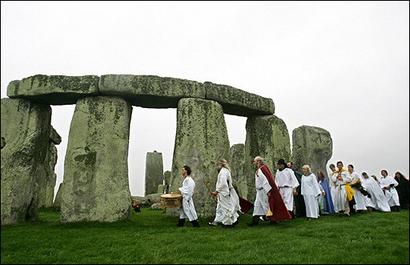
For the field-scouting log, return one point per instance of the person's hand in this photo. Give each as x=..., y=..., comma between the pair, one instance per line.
x=214, y=193
x=323, y=193
x=295, y=192
x=269, y=193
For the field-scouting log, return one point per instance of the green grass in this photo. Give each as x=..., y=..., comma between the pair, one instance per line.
x=152, y=237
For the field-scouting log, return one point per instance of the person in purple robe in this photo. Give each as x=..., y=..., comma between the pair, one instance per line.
x=327, y=202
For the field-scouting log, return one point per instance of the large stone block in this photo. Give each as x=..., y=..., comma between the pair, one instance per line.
x=57, y=200
x=96, y=168
x=25, y=127
x=266, y=136
x=150, y=91
x=47, y=181
x=236, y=162
x=153, y=172
x=54, y=89
x=201, y=139
x=238, y=102
x=312, y=146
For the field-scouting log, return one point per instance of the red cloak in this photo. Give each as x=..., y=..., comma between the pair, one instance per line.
x=276, y=204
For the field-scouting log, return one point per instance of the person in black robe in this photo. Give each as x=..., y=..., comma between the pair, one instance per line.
x=403, y=190
x=299, y=201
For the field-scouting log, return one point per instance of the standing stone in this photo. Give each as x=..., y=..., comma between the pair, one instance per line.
x=25, y=126
x=167, y=177
x=153, y=172
x=312, y=146
x=266, y=136
x=57, y=201
x=48, y=180
x=201, y=139
x=96, y=168
x=236, y=162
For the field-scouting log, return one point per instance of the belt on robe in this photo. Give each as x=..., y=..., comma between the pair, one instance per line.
x=285, y=187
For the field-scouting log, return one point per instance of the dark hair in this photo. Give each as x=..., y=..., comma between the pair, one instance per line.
x=364, y=174
x=385, y=171
x=339, y=162
x=320, y=174
x=332, y=165
x=400, y=174
x=351, y=166
x=188, y=170
x=282, y=162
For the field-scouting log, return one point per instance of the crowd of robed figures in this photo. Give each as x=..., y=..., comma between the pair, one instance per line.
x=289, y=193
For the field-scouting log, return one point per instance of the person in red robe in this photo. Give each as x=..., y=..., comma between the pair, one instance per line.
x=277, y=210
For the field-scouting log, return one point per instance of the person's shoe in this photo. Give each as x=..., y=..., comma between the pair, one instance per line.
x=195, y=223
x=213, y=223
x=181, y=222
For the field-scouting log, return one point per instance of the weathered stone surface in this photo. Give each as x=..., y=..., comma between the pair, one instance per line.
x=312, y=146
x=266, y=136
x=57, y=200
x=161, y=188
x=3, y=142
x=54, y=89
x=47, y=181
x=96, y=168
x=153, y=172
x=167, y=177
x=156, y=206
x=153, y=198
x=236, y=162
x=150, y=91
x=54, y=136
x=201, y=139
x=238, y=102
x=25, y=127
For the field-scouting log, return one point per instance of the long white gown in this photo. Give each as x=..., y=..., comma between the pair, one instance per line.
x=261, y=204
x=228, y=201
x=340, y=199
x=286, y=182
x=390, y=192
x=359, y=198
x=188, y=207
x=377, y=198
x=310, y=190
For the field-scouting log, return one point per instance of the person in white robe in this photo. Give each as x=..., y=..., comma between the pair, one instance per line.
x=359, y=198
x=310, y=189
x=332, y=184
x=388, y=185
x=340, y=179
x=227, y=207
x=377, y=199
x=261, y=204
x=287, y=182
x=187, y=209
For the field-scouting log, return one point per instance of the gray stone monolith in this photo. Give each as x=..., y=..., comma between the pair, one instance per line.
x=266, y=136
x=153, y=172
x=236, y=162
x=201, y=139
x=311, y=146
x=96, y=163
x=57, y=200
x=25, y=127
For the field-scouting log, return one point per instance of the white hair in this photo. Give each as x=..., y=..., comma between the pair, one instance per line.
x=258, y=158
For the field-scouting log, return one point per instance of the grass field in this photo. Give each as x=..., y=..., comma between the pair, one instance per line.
x=152, y=237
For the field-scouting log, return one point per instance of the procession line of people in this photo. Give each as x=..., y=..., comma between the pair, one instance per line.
x=289, y=194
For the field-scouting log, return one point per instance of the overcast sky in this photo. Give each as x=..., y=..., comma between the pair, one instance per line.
x=342, y=66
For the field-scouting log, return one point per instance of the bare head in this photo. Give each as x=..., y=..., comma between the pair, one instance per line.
x=339, y=165
x=185, y=171
x=258, y=161
x=222, y=163
x=281, y=164
x=306, y=170
x=384, y=173
x=332, y=167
